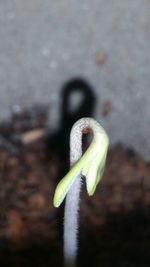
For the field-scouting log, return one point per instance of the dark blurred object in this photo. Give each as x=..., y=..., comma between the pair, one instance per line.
x=85, y=107
x=75, y=89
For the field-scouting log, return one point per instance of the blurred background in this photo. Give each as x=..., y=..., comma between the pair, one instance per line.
x=60, y=61
x=43, y=44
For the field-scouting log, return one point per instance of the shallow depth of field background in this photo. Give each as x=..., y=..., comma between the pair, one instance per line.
x=44, y=44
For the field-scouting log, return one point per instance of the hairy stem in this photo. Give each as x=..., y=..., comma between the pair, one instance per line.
x=73, y=195
x=72, y=202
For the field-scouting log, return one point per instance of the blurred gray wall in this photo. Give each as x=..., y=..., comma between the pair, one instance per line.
x=43, y=43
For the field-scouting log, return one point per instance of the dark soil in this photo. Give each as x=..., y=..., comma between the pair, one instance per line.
x=114, y=223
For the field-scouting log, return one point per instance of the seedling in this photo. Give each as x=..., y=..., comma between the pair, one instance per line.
x=90, y=165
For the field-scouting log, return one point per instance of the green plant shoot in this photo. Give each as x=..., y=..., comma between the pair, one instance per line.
x=90, y=165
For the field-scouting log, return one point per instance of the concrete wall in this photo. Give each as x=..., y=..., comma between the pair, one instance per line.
x=44, y=43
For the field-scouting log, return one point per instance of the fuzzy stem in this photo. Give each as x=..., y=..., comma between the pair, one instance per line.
x=73, y=196
x=72, y=202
